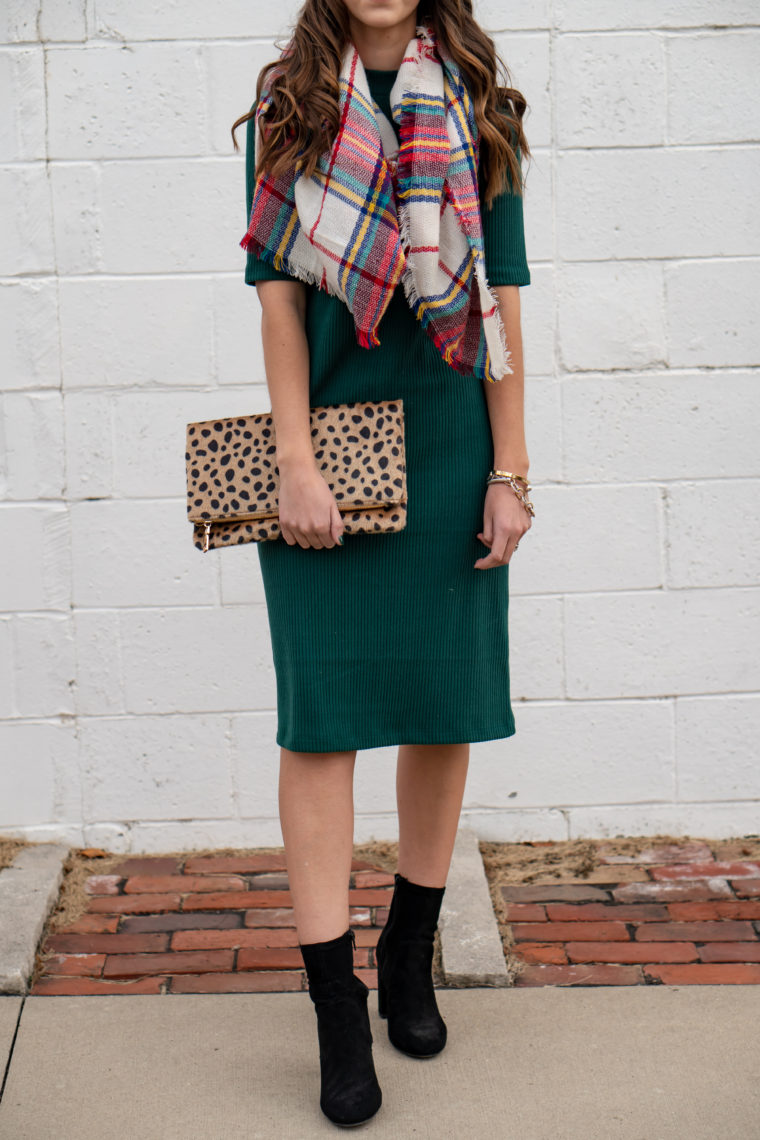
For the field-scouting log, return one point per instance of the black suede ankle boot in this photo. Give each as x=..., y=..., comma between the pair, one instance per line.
x=350, y=1093
x=404, y=956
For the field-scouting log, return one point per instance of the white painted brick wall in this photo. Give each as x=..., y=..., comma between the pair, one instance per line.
x=137, y=694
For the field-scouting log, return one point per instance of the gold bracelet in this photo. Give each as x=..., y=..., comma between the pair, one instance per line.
x=511, y=481
x=511, y=475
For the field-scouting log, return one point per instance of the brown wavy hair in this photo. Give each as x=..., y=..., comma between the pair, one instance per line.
x=303, y=119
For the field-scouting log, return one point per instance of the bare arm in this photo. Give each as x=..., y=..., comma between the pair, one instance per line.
x=506, y=404
x=308, y=511
x=505, y=519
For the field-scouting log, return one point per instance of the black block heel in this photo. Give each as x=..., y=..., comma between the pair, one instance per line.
x=381, y=998
x=350, y=1093
x=404, y=958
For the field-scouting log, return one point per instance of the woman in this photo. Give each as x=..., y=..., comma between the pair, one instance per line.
x=394, y=638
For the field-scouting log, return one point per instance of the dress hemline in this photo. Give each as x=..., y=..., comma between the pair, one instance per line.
x=392, y=738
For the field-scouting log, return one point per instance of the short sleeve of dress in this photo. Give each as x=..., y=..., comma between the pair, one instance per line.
x=504, y=238
x=256, y=269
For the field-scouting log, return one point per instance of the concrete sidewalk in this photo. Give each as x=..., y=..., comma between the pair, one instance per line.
x=545, y=1063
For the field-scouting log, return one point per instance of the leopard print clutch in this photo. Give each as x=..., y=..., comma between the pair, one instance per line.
x=233, y=479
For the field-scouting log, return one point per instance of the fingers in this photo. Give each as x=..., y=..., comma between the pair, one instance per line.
x=337, y=526
x=309, y=514
x=320, y=538
x=502, y=549
x=304, y=539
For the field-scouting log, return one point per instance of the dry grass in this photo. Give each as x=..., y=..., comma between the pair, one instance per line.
x=9, y=849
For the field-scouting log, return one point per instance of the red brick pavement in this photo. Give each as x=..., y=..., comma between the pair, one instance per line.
x=692, y=919
x=224, y=924
x=199, y=925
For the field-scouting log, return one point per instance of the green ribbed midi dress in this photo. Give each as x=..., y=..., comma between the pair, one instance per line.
x=397, y=638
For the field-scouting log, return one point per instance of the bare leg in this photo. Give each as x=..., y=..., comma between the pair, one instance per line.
x=317, y=820
x=430, y=782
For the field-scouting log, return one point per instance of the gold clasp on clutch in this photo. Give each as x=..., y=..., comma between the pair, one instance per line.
x=206, y=533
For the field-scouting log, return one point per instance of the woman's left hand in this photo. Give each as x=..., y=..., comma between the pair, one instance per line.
x=505, y=521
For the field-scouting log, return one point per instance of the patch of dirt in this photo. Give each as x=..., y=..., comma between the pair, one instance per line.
x=9, y=849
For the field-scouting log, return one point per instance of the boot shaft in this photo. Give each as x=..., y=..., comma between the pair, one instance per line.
x=414, y=910
x=329, y=961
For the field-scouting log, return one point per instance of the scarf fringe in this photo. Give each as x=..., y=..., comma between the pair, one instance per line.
x=508, y=369
x=283, y=265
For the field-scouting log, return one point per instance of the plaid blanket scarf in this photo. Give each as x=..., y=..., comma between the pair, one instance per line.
x=376, y=211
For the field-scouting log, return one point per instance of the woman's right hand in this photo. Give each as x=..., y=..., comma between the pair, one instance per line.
x=308, y=511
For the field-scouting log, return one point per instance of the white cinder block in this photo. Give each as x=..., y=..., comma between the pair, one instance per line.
x=538, y=302
x=716, y=748
x=89, y=444
x=713, y=533
x=99, y=683
x=725, y=820
x=63, y=20
x=136, y=332
x=118, y=101
x=661, y=427
x=241, y=580
x=132, y=553
x=44, y=657
x=18, y=21
x=203, y=834
x=573, y=548
x=537, y=207
x=650, y=643
x=116, y=837
x=78, y=229
x=238, y=347
x=712, y=312
x=177, y=215
x=31, y=751
x=618, y=85
x=176, y=19
x=375, y=787
x=725, y=64
x=543, y=429
x=197, y=660
x=35, y=572
x=657, y=203
x=33, y=429
x=256, y=764
x=155, y=767
x=590, y=15
x=29, y=333
x=232, y=70
x=578, y=753
x=22, y=97
x=527, y=60
x=493, y=16
x=535, y=647
x=68, y=791
x=611, y=315
x=26, y=237
x=7, y=686
x=149, y=447
x=510, y=825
